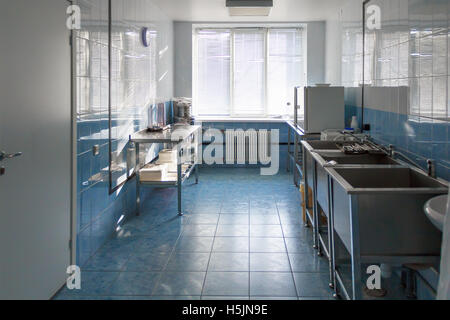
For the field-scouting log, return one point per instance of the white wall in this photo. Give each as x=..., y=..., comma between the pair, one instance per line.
x=183, y=59
x=215, y=10
x=183, y=55
x=166, y=42
x=333, y=49
x=349, y=16
x=316, y=52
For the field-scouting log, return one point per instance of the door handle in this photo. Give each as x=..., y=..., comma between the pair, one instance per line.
x=5, y=156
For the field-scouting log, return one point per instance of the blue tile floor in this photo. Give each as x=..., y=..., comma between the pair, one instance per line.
x=241, y=238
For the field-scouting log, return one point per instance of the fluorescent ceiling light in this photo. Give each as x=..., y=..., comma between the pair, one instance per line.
x=249, y=7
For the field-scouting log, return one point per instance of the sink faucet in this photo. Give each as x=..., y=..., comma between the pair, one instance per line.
x=391, y=150
x=431, y=164
x=388, y=150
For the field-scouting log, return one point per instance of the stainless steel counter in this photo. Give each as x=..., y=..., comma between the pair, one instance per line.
x=175, y=137
x=176, y=134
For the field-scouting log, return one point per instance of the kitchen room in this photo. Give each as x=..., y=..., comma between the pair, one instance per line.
x=224, y=150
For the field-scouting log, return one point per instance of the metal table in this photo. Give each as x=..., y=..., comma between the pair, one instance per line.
x=175, y=137
x=300, y=170
x=294, y=155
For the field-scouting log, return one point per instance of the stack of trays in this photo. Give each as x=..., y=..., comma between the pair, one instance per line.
x=154, y=172
x=164, y=170
x=168, y=157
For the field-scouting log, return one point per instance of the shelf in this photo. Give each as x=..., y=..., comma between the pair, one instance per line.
x=181, y=132
x=172, y=182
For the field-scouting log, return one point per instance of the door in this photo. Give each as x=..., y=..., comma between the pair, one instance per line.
x=35, y=119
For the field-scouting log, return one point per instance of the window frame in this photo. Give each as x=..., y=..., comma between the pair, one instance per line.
x=233, y=29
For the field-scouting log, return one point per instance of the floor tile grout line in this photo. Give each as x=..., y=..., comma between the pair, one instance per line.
x=209, y=260
x=249, y=250
x=158, y=281
x=289, y=258
x=249, y=257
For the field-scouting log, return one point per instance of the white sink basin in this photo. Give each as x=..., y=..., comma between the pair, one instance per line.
x=435, y=210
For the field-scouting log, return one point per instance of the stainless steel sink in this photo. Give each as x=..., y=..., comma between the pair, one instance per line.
x=325, y=158
x=320, y=145
x=309, y=163
x=339, y=159
x=386, y=206
x=377, y=215
x=386, y=180
x=374, y=206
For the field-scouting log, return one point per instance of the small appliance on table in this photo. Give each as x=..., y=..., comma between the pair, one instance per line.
x=316, y=109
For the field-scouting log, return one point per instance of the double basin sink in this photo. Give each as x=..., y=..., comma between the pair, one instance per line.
x=376, y=201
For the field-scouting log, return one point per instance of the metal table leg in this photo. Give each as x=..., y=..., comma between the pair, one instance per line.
x=294, y=168
x=196, y=173
x=288, y=164
x=331, y=234
x=315, y=211
x=179, y=179
x=305, y=181
x=138, y=188
x=356, y=255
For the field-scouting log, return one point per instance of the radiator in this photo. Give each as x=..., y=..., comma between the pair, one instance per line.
x=247, y=147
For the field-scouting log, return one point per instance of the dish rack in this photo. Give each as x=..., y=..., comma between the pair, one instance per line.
x=359, y=148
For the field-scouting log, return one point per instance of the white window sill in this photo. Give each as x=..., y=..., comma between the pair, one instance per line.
x=240, y=119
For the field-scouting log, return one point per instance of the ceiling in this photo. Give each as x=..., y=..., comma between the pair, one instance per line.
x=283, y=10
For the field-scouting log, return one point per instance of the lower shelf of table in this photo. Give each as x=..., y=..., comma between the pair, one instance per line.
x=173, y=182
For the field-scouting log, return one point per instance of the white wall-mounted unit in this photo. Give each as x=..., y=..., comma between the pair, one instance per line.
x=249, y=7
x=322, y=108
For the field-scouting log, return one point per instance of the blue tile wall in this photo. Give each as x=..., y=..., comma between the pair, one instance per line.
x=406, y=77
x=419, y=138
x=136, y=84
x=98, y=212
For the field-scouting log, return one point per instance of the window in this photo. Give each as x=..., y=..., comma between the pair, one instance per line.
x=286, y=68
x=247, y=71
x=213, y=83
